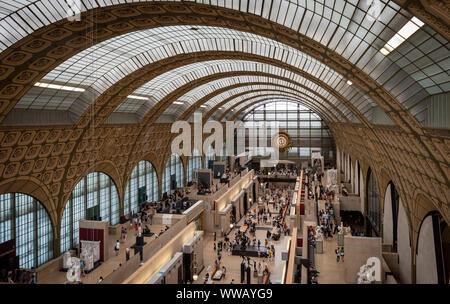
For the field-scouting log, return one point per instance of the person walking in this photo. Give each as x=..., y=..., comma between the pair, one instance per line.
x=33, y=276
x=117, y=247
x=337, y=251
x=127, y=254
x=335, y=228
x=10, y=277
x=342, y=254
x=224, y=271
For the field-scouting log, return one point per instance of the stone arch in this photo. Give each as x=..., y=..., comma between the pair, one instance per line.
x=167, y=157
x=33, y=187
x=152, y=158
x=404, y=244
x=373, y=204
x=425, y=252
x=114, y=20
x=107, y=167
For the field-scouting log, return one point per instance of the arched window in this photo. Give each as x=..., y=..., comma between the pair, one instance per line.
x=143, y=180
x=25, y=220
x=373, y=205
x=95, y=196
x=194, y=163
x=307, y=130
x=174, y=166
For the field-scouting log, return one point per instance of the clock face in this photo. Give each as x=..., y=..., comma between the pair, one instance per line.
x=282, y=141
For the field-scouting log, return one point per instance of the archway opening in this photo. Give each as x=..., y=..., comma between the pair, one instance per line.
x=173, y=176
x=142, y=187
x=433, y=245
x=373, y=212
x=95, y=197
x=26, y=232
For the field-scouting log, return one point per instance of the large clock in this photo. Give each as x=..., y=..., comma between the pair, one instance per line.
x=282, y=140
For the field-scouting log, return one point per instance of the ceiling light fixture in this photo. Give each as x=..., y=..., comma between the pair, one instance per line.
x=349, y=82
x=178, y=102
x=138, y=97
x=58, y=87
x=413, y=25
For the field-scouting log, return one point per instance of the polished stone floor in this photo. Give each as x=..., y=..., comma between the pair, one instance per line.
x=331, y=272
x=233, y=263
x=107, y=267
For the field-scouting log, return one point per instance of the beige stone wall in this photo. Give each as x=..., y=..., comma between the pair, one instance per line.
x=356, y=252
x=419, y=167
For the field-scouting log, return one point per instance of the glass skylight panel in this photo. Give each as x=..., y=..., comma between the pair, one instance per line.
x=58, y=87
x=230, y=103
x=404, y=33
x=138, y=97
x=100, y=59
x=318, y=19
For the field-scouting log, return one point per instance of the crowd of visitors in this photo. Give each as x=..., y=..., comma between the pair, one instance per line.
x=19, y=276
x=278, y=171
x=268, y=211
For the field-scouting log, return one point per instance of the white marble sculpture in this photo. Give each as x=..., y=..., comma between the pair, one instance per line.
x=340, y=229
x=332, y=183
x=365, y=275
x=66, y=260
x=74, y=272
x=331, y=178
x=316, y=155
x=369, y=272
x=318, y=233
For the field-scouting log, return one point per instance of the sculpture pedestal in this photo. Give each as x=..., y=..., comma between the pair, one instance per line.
x=67, y=260
x=340, y=239
x=319, y=246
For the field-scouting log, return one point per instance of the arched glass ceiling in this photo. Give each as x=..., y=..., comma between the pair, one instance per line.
x=188, y=99
x=346, y=27
x=166, y=83
x=228, y=94
x=233, y=113
x=206, y=89
x=203, y=90
x=259, y=106
x=262, y=90
x=263, y=96
x=102, y=65
x=240, y=107
x=286, y=105
x=315, y=19
x=105, y=63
